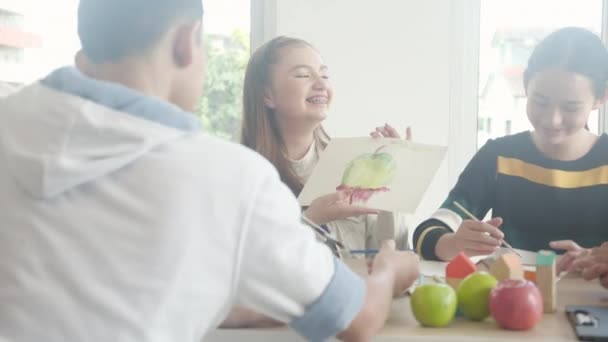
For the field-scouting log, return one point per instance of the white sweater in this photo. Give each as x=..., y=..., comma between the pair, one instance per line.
x=120, y=228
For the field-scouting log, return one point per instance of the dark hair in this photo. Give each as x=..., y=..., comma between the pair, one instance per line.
x=576, y=50
x=110, y=30
x=260, y=130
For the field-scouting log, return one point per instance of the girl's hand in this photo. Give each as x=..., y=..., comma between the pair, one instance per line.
x=334, y=206
x=388, y=131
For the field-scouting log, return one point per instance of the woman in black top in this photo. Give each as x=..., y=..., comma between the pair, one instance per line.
x=544, y=185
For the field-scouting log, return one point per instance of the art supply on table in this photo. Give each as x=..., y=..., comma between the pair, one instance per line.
x=459, y=268
x=325, y=236
x=373, y=251
x=366, y=252
x=473, y=217
x=546, y=279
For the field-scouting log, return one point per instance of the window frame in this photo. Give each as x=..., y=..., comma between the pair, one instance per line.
x=263, y=22
x=464, y=86
x=464, y=78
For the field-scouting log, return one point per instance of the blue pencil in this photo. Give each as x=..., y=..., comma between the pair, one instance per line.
x=363, y=251
x=371, y=251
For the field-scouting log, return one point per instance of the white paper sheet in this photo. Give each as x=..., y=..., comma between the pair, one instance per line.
x=399, y=172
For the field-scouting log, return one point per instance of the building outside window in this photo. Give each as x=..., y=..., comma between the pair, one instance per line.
x=15, y=40
x=509, y=31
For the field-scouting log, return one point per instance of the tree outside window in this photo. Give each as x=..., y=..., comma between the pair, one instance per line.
x=227, y=37
x=226, y=26
x=221, y=103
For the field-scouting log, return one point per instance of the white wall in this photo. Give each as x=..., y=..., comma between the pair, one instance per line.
x=391, y=61
x=387, y=61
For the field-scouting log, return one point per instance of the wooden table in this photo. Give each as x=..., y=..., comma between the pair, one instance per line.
x=403, y=326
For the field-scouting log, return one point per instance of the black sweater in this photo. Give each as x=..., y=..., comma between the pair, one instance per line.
x=539, y=199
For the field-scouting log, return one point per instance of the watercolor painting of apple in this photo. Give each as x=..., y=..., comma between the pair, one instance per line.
x=367, y=174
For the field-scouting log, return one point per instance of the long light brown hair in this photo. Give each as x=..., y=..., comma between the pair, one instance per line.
x=260, y=130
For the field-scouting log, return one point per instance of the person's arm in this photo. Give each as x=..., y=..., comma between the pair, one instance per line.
x=374, y=311
x=475, y=191
x=285, y=274
x=389, y=267
x=241, y=317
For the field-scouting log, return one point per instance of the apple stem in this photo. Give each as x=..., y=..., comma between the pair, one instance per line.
x=379, y=149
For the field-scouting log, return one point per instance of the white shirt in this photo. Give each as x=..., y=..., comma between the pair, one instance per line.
x=119, y=228
x=6, y=89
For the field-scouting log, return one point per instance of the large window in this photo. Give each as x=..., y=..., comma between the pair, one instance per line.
x=227, y=25
x=52, y=43
x=59, y=37
x=509, y=31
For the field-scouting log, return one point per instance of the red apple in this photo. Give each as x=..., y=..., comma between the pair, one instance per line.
x=516, y=304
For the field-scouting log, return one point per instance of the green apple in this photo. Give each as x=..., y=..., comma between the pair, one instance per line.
x=434, y=305
x=474, y=295
x=370, y=171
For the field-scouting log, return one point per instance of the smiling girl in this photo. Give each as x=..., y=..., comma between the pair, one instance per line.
x=543, y=185
x=287, y=95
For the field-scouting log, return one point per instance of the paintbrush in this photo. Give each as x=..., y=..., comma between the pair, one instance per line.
x=472, y=217
x=322, y=232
